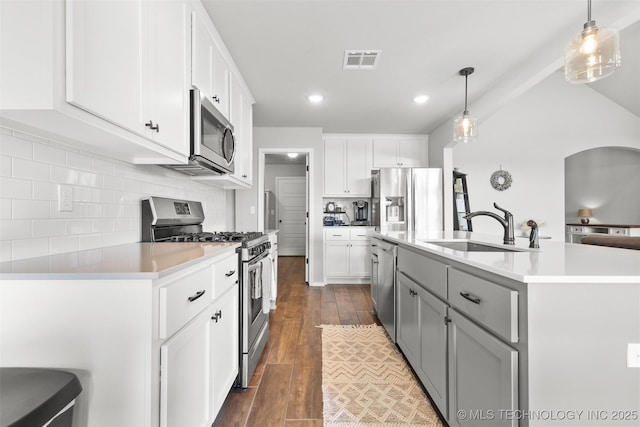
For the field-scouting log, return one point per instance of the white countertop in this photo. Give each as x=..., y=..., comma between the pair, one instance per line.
x=129, y=261
x=554, y=262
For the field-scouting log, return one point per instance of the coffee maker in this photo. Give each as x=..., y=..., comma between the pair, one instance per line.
x=361, y=212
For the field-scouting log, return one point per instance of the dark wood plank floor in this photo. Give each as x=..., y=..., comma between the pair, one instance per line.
x=286, y=390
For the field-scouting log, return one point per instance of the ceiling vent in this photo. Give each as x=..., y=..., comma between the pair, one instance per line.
x=361, y=59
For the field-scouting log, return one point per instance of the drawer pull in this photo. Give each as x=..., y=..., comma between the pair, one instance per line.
x=468, y=296
x=230, y=273
x=196, y=296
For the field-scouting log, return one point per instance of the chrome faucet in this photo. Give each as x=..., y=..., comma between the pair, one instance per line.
x=507, y=222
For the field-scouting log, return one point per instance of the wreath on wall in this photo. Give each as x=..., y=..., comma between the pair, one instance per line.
x=501, y=180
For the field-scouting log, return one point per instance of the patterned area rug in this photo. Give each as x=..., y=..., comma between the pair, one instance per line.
x=366, y=382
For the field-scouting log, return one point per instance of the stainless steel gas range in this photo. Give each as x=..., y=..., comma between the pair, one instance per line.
x=173, y=220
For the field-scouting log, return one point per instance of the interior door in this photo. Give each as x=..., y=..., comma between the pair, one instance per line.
x=292, y=204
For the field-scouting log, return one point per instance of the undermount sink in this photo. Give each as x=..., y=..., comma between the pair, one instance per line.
x=467, y=246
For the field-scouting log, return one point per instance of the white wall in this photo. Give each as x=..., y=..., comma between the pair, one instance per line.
x=106, y=198
x=295, y=139
x=272, y=171
x=530, y=137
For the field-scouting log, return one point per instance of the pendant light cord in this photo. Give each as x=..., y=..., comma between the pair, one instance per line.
x=588, y=10
x=466, y=79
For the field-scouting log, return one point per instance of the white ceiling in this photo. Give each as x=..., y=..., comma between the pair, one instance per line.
x=287, y=50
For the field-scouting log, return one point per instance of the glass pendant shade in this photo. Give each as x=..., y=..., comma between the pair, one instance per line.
x=465, y=128
x=593, y=54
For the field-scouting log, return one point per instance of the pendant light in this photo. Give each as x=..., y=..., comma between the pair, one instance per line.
x=464, y=127
x=593, y=54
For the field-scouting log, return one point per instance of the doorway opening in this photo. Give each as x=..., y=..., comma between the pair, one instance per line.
x=284, y=186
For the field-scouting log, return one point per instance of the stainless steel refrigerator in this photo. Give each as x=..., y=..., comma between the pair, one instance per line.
x=269, y=210
x=407, y=199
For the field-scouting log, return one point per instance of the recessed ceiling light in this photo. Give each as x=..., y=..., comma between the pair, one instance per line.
x=421, y=99
x=292, y=155
x=315, y=98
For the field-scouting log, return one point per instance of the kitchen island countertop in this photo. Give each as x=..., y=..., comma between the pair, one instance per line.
x=554, y=262
x=128, y=261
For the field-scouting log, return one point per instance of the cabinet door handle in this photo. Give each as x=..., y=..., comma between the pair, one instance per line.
x=230, y=273
x=196, y=296
x=217, y=316
x=468, y=296
x=152, y=127
x=244, y=175
x=216, y=99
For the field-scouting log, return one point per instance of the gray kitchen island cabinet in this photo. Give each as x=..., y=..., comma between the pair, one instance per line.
x=422, y=326
x=422, y=337
x=532, y=338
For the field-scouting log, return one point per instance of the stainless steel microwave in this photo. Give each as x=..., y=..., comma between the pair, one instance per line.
x=213, y=145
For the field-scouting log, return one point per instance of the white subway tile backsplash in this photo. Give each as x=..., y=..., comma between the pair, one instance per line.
x=16, y=147
x=90, y=241
x=102, y=225
x=78, y=161
x=49, y=154
x=14, y=188
x=78, y=226
x=102, y=166
x=113, y=183
x=90, y=179
x=5, y=209
x=48, y=227
x=58, y=245
x=23, y=209
x=64, y=175
x=5, y=165
x=82, y=194
x=106, y=197
x=45, y=191
x=11, y=229
x=30, y=248
x=28, y=169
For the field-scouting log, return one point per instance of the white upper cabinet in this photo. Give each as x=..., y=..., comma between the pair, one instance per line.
x=95, y=81
x=220, y=82
x=210, y=71
x=347, y=166
x=104, y=69
x=165, y=84
x=400, y=151
x=201, y=55
x=135, y=77
x=113, y=77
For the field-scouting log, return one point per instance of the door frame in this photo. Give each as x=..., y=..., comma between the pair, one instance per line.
x=262, y=152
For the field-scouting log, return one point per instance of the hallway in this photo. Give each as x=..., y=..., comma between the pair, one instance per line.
x=286, y=389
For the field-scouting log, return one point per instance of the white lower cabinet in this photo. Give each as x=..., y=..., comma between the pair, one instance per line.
x=184, y=375
x=347, y=254
x=199, y=362
x=483, y=376
x=224, y=355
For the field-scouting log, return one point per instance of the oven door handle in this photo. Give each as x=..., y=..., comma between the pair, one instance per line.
x=259, y=258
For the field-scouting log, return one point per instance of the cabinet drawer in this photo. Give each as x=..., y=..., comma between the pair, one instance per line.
x=225, y=274
x=359, y=233
x=430, y=274
x=619, y=231
x=492, y=305
x=337, y=234
x=182, y=299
